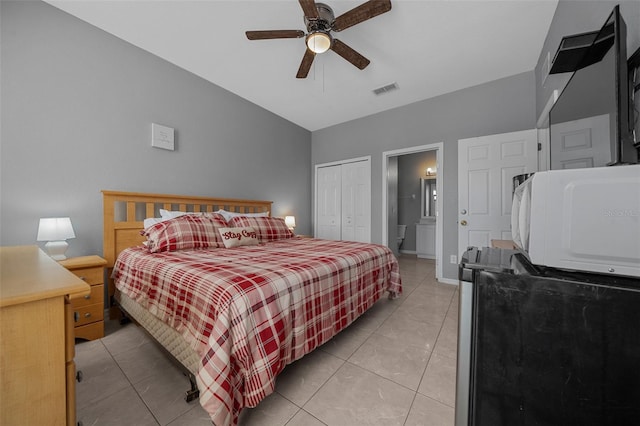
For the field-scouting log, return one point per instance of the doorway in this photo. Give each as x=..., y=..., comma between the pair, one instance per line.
x=389, y=196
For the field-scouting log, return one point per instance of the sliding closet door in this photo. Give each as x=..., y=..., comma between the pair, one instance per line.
x=328, y=202
x=343, y=201
x=356, y=201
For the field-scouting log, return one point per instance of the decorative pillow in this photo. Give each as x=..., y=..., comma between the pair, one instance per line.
x=228, y=215
x=185, y=232
x=268, y=228
x=235, y=237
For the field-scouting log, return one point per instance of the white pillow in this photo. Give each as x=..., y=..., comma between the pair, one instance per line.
x=228, y=215
x=235, y=237
x=150, y=221
x=166, y=214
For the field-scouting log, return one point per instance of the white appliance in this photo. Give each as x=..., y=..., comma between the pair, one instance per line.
x=581, y=219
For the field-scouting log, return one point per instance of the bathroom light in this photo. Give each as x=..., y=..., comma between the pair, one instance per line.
x=430, y=172
x=55, y=230
x=290, y=221
x=318, y=42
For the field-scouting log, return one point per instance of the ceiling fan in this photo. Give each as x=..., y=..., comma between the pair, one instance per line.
x=320, y=22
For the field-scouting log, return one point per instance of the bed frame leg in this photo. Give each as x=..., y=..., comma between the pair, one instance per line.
x=193, y=393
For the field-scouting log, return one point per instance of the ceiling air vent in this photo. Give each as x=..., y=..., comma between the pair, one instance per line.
x=384, y=89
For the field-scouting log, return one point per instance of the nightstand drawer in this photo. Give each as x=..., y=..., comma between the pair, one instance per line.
x=89, y=310
x=90, y=275
x=88, y=314
x=96, y=296
x=92, y=331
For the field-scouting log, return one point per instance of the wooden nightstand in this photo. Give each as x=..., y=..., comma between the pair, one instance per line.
x=88, y=311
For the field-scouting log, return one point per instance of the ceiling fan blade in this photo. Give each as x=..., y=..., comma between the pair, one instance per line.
x=305, y=65
x=269, y=34
x=349, y=54
x=361, y=13
x=309, y=8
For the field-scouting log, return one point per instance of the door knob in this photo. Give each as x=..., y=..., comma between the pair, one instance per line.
x=463, y=222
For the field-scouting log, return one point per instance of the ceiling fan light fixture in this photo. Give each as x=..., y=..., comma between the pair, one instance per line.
x=318, y=42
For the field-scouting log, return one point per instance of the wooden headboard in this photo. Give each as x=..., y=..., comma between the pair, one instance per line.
x=124, y=214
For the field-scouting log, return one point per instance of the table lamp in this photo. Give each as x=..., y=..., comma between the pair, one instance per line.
x=290, y=221
x=55, y=230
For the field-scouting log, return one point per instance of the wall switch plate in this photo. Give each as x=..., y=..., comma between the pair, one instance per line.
x=453, y=259
x=162, y=137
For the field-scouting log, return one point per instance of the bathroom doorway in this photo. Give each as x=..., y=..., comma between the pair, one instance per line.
x=412, y=181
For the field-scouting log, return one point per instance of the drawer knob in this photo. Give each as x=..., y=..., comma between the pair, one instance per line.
x=83, y=278
x=87, y=315
x=88, y=296
x=79, y=376
x=76, y=316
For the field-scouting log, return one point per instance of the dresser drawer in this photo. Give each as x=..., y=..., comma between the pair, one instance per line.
x=96, y=296
x=88, y=314
x=90, y=275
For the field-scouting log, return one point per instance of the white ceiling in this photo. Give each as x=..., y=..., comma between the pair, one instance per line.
x=428, y=48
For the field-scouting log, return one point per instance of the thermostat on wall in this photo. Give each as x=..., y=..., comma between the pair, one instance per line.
x=162, y=137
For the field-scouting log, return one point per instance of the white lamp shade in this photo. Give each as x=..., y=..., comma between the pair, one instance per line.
x=290, y=221
x=55, y=229
x=318, y=42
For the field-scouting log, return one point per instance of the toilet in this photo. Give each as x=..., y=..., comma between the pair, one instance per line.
x=402, y=231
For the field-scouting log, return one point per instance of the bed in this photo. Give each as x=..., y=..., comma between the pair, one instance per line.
x=235, y=315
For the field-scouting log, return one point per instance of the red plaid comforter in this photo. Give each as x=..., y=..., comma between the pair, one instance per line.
x=249, y=311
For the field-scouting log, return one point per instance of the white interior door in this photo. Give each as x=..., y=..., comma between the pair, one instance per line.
x=356, y=201
x=581, y=143
x=328, y=202
x=486, y=167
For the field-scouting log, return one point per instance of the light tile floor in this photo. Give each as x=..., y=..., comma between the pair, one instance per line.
x=395, y=365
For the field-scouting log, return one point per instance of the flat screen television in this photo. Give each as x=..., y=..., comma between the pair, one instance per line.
x=589, y=125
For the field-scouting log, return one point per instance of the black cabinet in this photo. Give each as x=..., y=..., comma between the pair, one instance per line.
x=554, y=348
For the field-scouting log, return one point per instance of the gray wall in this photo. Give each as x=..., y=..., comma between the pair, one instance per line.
x=501, y=106
x=77, y=107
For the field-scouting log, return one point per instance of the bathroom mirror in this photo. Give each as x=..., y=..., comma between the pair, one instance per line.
x=429, y=197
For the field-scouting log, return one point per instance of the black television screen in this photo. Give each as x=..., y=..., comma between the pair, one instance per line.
x=589, y=123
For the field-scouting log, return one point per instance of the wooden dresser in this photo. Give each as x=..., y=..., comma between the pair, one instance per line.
x=88, y=310
x=37, y=346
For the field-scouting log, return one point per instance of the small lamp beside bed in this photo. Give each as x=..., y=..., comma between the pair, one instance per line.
x=290, y=221
x=55, y=230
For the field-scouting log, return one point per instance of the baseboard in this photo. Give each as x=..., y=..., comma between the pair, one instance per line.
x=424, y=256
x=408, y=252
x=449, y=281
